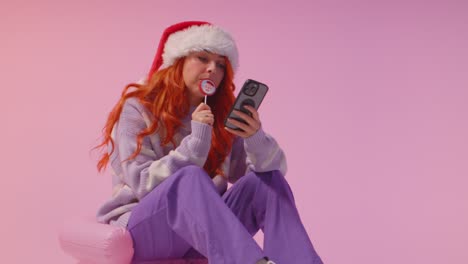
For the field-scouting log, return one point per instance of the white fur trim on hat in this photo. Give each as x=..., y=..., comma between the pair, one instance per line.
x=198, y=38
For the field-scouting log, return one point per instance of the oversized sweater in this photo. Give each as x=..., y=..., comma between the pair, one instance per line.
x=133, y=179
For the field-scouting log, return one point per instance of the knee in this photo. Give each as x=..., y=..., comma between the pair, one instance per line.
x=249, y=182
x=191, y=171
x=271, y=176
x=275, y=180
x=193, y=174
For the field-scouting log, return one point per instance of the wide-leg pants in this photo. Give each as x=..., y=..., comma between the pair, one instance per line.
x=185, y=216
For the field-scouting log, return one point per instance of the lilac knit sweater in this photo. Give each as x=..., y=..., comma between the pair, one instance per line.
x=135, y=178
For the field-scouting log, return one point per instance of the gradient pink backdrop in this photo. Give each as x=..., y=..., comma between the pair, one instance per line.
x=367, y=98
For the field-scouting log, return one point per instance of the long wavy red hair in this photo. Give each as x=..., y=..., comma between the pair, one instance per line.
x=165, y=95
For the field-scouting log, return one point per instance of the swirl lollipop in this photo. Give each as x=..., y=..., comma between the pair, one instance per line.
x=207, y=87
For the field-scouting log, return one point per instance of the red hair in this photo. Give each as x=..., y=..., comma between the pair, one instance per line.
x=165, y=96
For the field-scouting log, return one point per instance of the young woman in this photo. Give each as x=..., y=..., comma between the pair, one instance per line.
x=172, y=158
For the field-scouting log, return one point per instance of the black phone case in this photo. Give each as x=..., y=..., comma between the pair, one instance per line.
x=252, y=93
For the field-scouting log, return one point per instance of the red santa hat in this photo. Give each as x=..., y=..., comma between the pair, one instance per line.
x=180, y=39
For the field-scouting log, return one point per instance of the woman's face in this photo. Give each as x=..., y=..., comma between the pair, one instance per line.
x=202, y=65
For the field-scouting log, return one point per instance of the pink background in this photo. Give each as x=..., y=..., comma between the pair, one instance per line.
x=367, y=98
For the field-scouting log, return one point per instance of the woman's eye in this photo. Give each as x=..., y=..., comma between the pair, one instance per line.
x=221, y=66
x=202, y=59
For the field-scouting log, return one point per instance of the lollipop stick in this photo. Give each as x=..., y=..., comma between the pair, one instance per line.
x=205, y=98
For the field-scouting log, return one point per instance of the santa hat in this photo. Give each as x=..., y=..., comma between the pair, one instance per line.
x=180, y=39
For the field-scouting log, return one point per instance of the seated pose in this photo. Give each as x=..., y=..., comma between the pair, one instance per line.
x=172, y=158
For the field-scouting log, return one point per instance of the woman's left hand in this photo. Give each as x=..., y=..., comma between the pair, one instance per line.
x=252, y=126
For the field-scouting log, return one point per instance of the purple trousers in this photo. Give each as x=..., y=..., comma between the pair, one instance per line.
x=185, y=217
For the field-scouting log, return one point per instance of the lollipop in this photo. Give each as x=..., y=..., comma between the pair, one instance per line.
x=207, y=87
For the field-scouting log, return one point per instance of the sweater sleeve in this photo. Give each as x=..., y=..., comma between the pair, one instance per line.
x=150, y=167
x=258, y=153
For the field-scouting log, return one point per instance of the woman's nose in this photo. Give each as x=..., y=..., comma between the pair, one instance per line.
x=211, y=68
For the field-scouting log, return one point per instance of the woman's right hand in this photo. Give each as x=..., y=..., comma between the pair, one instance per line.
x=203, y=114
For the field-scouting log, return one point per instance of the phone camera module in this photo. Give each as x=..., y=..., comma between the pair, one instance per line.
x=251, y=89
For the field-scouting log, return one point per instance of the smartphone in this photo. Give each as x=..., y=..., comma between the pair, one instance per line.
x=252, y=94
